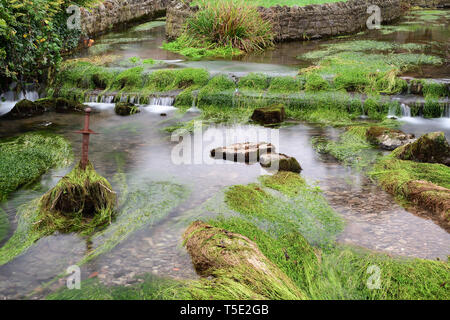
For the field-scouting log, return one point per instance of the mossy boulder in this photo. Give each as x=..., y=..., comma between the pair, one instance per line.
x=431, y=148
x=62, y=105
x=126, y=109
x=25, y=109
x=235, y=260
x=269, y=115
x=81, y=192
x=281, y=162
x=387, y=138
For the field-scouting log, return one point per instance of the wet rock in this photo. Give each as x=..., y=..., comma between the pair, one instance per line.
x=25, y=109
x=431, y=148
x=387, y=138
x=279, y=161
x=126, y=109
x=62, y=105
x=269, y=115
x=243, y=152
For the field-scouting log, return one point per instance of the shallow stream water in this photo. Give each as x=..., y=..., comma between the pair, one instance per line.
x=137, y=146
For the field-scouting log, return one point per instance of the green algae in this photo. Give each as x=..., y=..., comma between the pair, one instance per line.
x=25, y=158
x=139, y=206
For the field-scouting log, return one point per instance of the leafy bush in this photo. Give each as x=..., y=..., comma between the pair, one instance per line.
x=33, y=33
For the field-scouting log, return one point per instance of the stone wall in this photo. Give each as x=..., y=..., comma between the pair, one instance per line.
x=308, y=22
x=113, y=13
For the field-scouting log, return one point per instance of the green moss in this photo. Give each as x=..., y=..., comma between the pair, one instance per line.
x=394, y=174
x=129, y=79
x=166, y=80
x=315, y=82
x=367, y=71
x=285, y=84
x=25, y=158
x=254, y=81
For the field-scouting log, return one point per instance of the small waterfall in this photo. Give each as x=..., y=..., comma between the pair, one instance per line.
x=9, y=99
x=193, y=108
x=235, y=97
x=160, y=105
x=392, y=114
x=446, y=111
x=107, y=99
x=405, y=110
x=162, y=101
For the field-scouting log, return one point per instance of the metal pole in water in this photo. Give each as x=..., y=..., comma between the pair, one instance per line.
x=86, y=132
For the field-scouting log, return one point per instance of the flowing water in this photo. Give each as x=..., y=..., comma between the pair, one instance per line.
x=137, y=146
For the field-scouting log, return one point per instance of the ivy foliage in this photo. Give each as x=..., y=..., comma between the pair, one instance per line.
x=33, y=37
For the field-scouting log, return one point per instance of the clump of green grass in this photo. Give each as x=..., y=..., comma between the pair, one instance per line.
x=25, y=158
x=167, y=79
x=434, y=90
x=223, y=27
x=285, y=84
x=196, y=49
x=254, y=81
x=129, y=79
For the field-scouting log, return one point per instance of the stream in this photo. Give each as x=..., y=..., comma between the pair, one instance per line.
x=137, y=146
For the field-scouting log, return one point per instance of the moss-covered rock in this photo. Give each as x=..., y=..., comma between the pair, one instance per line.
x=126, y=109
x=433, y=198
x=25, y=109
x=63, y=105
x=82, y=192
x=388, y=138
x=235, y=259
x=279, y=161
x=431, y=148
x=269, y=115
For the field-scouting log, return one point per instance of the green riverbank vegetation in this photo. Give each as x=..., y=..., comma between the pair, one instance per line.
x=249, y=228
x=34, y=37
